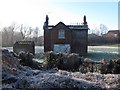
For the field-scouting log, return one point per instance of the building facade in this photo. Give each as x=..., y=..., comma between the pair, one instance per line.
x=66, y=38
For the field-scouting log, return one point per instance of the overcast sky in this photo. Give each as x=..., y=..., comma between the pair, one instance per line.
x=33, y=12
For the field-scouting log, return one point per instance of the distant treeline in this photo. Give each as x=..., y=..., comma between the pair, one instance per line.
x=17, y=32
x=8, y=40
x=93, y=39
x=105, y=39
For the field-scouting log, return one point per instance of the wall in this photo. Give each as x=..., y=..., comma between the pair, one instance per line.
x=54, y=35
x=47, y=40
x=27, y=46
x=79, y=41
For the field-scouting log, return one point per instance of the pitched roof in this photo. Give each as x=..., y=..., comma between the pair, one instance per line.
x=77, y=26
x=72, y=27
x=114, y=31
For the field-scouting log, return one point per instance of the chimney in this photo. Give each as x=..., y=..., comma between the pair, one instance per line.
x=45, y=26
x=84, y=20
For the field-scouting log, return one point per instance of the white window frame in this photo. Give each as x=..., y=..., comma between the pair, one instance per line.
x=61, y=34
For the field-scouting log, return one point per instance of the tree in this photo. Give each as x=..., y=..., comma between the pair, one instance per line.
x=35, y=34
x=97, y=31
x=8, y=34
x=12, y=28
x=25, y=31
x=103, y=29
x=17, y=32
x=17, y=36
x=0, y=39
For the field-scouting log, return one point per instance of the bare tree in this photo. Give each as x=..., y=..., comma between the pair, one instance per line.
x=36, y=34
x=8, y=34
x=12, y=28
x=4, y=36
x=103, y=29
x=25, y=31
x=97, y=31
x=16, y=32
x=17, y=36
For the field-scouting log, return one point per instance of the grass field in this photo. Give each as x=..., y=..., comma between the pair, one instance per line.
x=94, y=52
x=103, y=52
x=114, y=45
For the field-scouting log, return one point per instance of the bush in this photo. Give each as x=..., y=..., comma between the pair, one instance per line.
x=112, y=67
x=26, y=60
x=69, y=62
x=50, y=60
x=117, y=67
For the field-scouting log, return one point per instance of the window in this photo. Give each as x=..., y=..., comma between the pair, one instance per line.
x=63, y=48
x=61, y=34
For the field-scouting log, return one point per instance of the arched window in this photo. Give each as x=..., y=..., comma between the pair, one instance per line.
x=61, y=34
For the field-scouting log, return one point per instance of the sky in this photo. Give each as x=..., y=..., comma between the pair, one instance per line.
x=33, y=12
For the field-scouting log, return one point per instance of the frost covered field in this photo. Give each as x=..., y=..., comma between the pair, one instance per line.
x=103, y=52
x=17, y=76
x=94, y=52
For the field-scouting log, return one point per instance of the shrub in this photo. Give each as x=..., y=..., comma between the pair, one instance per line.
x=62, y=61
x=117, y=67
x=26, y=60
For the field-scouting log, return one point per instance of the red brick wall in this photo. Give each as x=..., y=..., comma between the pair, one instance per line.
x=54, y=35
x=76, y=38
x=47, y=40
x=79, y=42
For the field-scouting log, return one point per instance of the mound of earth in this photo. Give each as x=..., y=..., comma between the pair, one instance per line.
x=16, y=76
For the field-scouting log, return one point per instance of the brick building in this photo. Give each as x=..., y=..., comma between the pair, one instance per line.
x=112, y=36
x=66, y=38
x=114, y=33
